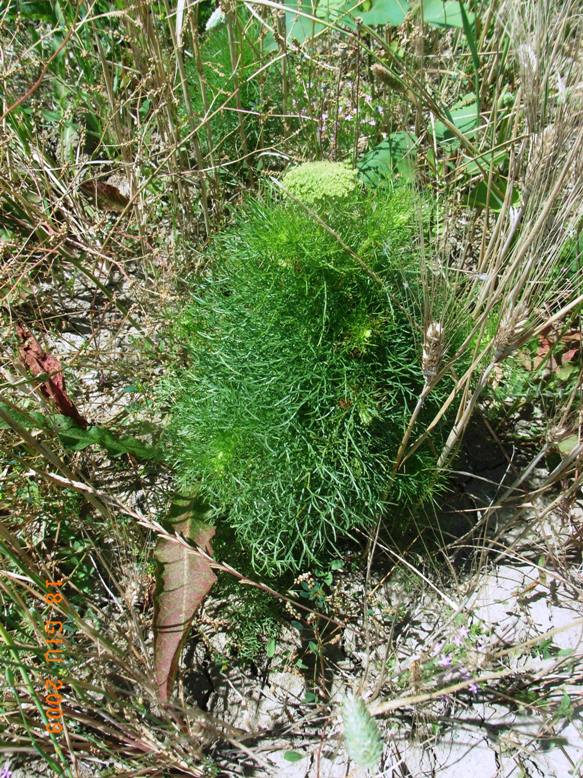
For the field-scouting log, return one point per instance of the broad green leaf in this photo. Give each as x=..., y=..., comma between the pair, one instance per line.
x=371, y=12
x=298, y=26
x=293, y=756
x=383, y=12
x=30, y=420
x=51, y=116
x=564, y=372
x=498, y=158
x=69, y=140
x=393, y=156
x=567, y=445
x=463, y=114
x=270, y=648
x=470, y=33
x=440, y=13
x=333, y=10
x=185, y=579
x=76, y=438
x=479, y=197
x=116, y=446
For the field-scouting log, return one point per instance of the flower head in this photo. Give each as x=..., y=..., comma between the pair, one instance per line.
x=460, y=636
x=315, y=181
x=6, y=771
x=363, y=740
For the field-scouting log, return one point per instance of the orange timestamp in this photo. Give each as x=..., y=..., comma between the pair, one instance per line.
x=55, y=653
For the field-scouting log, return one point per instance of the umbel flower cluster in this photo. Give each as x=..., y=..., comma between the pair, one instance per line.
x=304, y=347
x=316, y=181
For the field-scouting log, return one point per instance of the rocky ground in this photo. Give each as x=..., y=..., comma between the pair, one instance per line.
x=512, y=615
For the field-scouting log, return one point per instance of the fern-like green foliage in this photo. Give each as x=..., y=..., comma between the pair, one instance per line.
x=302, y=373
x=314, y=181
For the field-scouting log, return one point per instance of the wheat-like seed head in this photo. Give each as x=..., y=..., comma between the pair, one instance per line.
x=512, y=326
x=432, y=350
x=363, y=740
x=384, y=74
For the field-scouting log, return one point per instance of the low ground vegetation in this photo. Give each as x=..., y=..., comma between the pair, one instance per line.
x=290, y=415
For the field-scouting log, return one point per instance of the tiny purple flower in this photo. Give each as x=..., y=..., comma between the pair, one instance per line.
x=461, y=635
x=6, y=771
x=473, y=688
x=445, y=661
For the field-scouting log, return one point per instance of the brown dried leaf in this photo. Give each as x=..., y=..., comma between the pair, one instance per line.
x=106, y=196
x=185, y=580
x=39, y=362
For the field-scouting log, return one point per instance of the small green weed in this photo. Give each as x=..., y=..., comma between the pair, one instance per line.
x=252, y=623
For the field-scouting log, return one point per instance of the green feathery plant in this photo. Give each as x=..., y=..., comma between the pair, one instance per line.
x=304, y=365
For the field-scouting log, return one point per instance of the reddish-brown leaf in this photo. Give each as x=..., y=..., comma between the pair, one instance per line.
x=544, y=347
x=106, y=196
x=568, y=355
x=39, y=362
x=185, y=580
x=564, y=349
